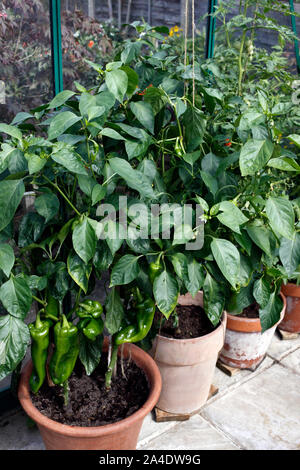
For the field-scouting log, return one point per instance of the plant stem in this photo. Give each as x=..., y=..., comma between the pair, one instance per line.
x=63, y=195
x=66, y=393
x=114, y=357
x=240, y=58
x=42, y=302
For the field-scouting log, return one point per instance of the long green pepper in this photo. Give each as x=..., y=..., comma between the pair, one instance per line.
x=39, y=332
x=66, y=351
x=134, y=333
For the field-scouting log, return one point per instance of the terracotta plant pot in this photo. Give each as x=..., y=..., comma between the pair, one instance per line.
x=122, y=435
x=187, y=365
x=291, y=320
x=245, y=345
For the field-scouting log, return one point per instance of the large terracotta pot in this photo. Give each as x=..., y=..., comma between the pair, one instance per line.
x=187, y=365
x=245, y=345
x=291, y=320
x=122, y=435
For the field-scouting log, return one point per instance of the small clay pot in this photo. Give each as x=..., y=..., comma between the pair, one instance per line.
x=291, y=320
x=187, y=365
x=245, y=345
x=122, y=435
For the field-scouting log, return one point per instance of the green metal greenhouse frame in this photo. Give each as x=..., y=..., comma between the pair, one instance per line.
x=55, y=17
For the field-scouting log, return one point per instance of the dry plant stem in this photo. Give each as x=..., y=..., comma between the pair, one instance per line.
x=129, y=357
x=113, y=361
x=251, y=39
x=122, y=361
x=240, y=58
x=109, y=353
x=66, y=393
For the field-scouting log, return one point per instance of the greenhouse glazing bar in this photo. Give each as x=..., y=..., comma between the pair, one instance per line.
x=210, y=29
x=293, y=20
x=55, y=21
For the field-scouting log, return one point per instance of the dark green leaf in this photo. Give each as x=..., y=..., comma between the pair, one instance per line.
x=281, y=216
x=195, y=124
x=117, y=83
x=134, y=178
x=90, y=352
x=31, y=229
x=79, y=271
x=16, y=297
x=14, y=340
x=289, y=253
x=144, y=113
x=69, y=159
x=114, y=311
x=166, y=291
x=254, y=155
x=213, y=299
x=227, y=258
x=270, y=314
x=61, y=122
x=125, y=270
x=7, y=258
x=47, y=205
x=84, y=239
x=11, y=193
x=61, y=98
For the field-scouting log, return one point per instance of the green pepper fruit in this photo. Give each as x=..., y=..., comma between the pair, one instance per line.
x=154, y=270
x=91, y=307
x=91, y=327
x=39, y=332
x=52, y=308
x=134, y=333
x=66, y=340
x=178, y=148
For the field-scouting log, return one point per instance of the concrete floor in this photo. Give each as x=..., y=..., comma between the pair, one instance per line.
x=252, y=410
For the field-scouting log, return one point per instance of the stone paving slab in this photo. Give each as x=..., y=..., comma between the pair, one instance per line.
x=151, y=429
x=263, y=413
x=224, y=382
x=15, y=434
x=292, y=361
x=280, y=348
x=194, y=434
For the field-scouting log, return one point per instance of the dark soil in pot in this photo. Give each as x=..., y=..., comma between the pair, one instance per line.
x=250, y=312
x=192, y=323
x=90, y=404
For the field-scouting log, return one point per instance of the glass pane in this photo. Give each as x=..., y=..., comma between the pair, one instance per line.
x=266, y=36
x=96, y=30
x=25, y=56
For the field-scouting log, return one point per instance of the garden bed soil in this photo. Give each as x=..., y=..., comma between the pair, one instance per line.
x=250, y=312
x=192, y=323
x=90, y=404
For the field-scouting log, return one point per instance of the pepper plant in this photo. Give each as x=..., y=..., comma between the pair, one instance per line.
x=64, y=154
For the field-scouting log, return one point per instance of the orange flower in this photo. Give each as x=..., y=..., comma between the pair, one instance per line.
x=90, y=44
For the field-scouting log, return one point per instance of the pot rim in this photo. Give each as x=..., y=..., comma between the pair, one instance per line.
x=290, y=289
x=251, y=325
x=222, y=325
x=142, y=360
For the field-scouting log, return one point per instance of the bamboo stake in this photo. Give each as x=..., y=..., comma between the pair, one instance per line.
x=149, y=12
x=91, y=8
x=119, y=13
x=110, y=10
